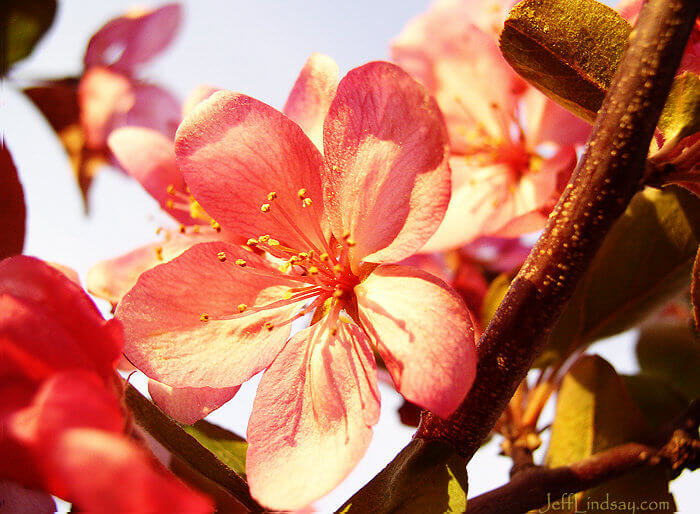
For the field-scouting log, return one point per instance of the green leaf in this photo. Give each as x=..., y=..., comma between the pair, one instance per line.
x=175, y=439
x=230, y=448
x=671, y=353
x=13, y=210
x=644, y=261
x=426, y=477
x=24, y=22
x=660, y=402
x=494, y=296
x=568, y=49
x=681, y=114
x=594, y=413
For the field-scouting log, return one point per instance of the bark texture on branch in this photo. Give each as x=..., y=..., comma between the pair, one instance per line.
x=608, y=175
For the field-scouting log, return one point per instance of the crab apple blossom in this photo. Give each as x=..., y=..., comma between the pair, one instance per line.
x=511, y=149
x=110, y=95
x=149, y=157
x=325, y=230
x=62, y=428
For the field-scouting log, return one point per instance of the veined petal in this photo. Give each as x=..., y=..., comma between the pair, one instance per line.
x=312, y=416
x=131, y=40
x=149, y=157
x=423, y=331
x=189, y=404
x=112, y=279
x=312, y=95
x=182, y=325
x=49, y=298
x=234, y=151
x=386, y=182
x=90, y=462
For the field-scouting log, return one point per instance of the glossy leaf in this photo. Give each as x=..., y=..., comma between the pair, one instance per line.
x=671, y=353
x=175, y=439
x=12, y=207
x=681, y=114
x=426, y=477
x=644, y=261
x=658, y=401
x=594, y=413
x=23, y=23
x=568, y=49
x=230, y=448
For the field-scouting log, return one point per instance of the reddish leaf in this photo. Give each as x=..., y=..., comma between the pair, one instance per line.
x=12, y=208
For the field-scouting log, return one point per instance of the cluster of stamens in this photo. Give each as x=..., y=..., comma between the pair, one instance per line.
x=322, y=269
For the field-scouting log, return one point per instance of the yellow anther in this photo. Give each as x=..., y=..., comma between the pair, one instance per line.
x=324, y=257
x=269, y=326
x=265, y=207
x=293, y=259
x=182, y=229
x=241, y=263
x=302, y=193
x=196, y=211
x=195, y=229
x=271, y=195
x=204, y=317
x=221, y=256
x=313, y=270
x=307, y=202
x=334, y=167
x=350, y=242
x=334, y=331
x=273, y=242
x=264, y=239
x=215, y=225
x=252, y=242
x=242, y=307
x=287, y=295
x=159, y=252
x=284, y=267
x=303, y=255
x=170, y=204
x=159, y=230
x=346, y=234
x=337, y=268
x=171, y=189
x=338, y=293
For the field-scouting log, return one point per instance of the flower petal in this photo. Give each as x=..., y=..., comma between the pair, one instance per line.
x=156, y=108
x=312, y=416
x=234, y=151
x=547, y=121
x=387, y=181
x=189, y=404
x=312, y=95
x=149, y=157
x=90, y=463
x=422, y=330
x=13, y=211
x=197, y=95
x=131, y=40
x=112, y=279
x=181, y=320
x=49, y=299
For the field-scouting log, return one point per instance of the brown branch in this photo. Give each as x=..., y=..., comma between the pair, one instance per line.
x=535, y=487
x=607, y=176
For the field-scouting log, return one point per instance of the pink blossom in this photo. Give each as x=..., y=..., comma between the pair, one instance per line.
x=330, y=228
x=512, y=149
x=110, y=95
x=62, y=429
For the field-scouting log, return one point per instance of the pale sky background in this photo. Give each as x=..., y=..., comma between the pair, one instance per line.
x=253, y=47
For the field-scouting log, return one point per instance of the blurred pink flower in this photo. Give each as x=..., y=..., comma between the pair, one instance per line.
x=512, y=150
x=218, y=314
x=62, y=429
x=110, y=95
